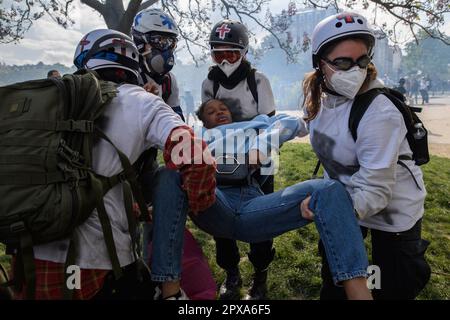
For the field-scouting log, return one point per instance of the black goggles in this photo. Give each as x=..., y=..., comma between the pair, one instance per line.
x=345, y=63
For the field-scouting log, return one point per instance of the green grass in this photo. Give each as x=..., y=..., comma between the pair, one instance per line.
x=295, y=271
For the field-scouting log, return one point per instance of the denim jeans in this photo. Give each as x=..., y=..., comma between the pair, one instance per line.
x=169, y=219
x=246, y=214
x=261, y=253
x=401, y=259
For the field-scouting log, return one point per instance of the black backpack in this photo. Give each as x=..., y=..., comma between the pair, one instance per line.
x=417, y=134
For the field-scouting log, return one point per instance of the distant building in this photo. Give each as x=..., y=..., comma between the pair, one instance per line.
x=397, y=61
x=387, y=58
x=305, y=20
x=286, y=78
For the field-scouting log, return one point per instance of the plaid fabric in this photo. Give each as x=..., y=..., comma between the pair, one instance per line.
x=50, y=279
x=198, y=170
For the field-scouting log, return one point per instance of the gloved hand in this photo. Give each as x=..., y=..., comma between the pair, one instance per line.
x=197, y=167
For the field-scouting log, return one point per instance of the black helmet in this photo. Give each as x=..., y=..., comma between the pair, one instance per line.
x=229, y=32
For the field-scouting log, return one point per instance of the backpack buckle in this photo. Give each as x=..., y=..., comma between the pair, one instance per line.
x=68, y=154
x=17, y=227
x=81, y=125
x=73, y=182
x=89, y=126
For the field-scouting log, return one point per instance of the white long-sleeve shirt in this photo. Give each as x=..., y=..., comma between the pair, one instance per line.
x=240, y=100
x=134, y=121
x=384, y=193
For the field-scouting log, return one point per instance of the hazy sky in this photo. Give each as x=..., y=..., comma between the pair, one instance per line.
x=50, y=43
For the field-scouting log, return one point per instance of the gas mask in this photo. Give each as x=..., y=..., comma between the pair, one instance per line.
x=158, y=61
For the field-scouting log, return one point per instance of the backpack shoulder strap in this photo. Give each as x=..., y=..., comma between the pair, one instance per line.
x=359, y=108
x=316, y=170
x=251, y=81
x=166, y=87
x=131, y=189
x=398, y=99
x=215, y=88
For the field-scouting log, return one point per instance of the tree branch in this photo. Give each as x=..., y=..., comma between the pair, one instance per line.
x=389, y=7
x=315, y=5
x=128, y=16
x=392, y=5
x=60, y=18
x=147, y=4
x=96, y=5
x=193, y=14
x=188, y=40
x=240, y=13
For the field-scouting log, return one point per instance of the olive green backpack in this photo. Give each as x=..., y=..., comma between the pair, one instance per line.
x=47, y=184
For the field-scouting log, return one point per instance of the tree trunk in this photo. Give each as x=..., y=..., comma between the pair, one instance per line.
x=127, y=18
x=115, y=15
x=112, y=18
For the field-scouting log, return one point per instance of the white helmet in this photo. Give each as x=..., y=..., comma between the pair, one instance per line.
x=104, y=48
x=339, y=26
x=154, y=20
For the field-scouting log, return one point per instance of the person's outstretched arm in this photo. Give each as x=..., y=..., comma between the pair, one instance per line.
x=164, y=129
x=280, y=128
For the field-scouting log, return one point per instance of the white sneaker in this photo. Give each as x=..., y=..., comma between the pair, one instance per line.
x=181, y=295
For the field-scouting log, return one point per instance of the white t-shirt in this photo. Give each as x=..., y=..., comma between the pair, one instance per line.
x=174, y=98
x=240, y=99
x=384, y=194
x=134, y=121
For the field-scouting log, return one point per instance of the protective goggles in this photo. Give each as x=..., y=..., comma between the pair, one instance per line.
x=230, y=54
x=161, y=42
x=345, y=63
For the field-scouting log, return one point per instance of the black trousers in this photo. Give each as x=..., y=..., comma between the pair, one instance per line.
x=135, y=284
x=401, y=259
x=261, y=253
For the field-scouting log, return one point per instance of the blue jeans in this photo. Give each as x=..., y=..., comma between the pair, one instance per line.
x=246, y=214
x=169, y=219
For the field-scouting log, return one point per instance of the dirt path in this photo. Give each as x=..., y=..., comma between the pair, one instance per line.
x=436, y=117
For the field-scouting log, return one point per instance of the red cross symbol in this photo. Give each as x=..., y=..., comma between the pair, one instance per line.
x=120, y=42
x=347, y=18
x=223, y=30
x=84, y=42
